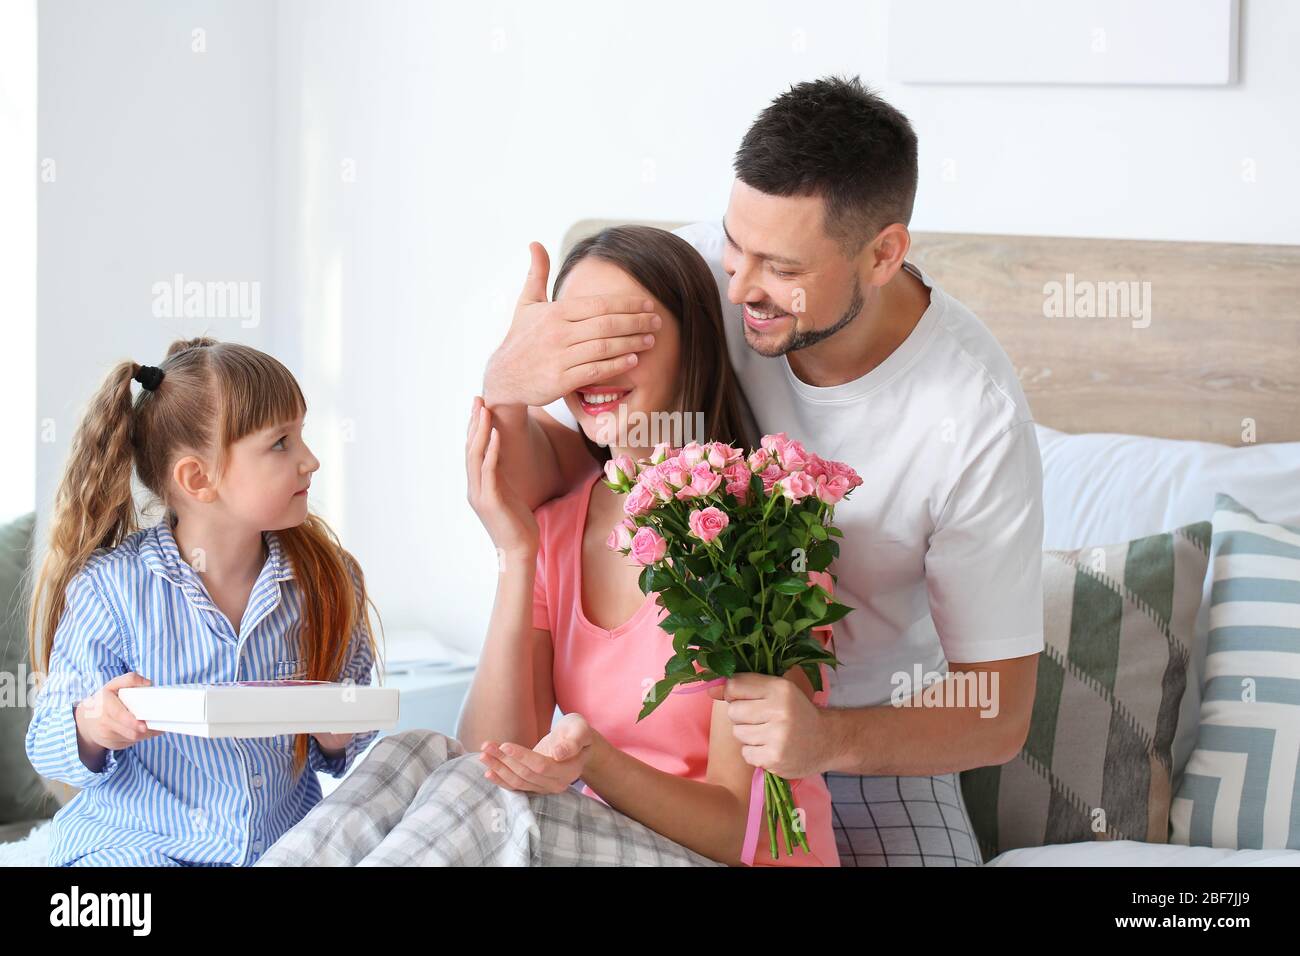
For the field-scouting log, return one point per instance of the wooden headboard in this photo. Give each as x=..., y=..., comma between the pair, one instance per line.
x=1191, y=340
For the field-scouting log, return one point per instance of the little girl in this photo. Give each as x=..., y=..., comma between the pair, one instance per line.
x=238, y=582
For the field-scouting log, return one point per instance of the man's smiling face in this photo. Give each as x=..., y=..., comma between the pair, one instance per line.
x=794, y=282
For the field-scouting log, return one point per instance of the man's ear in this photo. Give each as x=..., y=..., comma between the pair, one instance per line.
x=884, y=255
x=194, y=480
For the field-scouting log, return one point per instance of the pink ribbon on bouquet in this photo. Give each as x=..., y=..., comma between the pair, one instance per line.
x=756, y=795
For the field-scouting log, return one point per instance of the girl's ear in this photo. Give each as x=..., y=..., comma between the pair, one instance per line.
x=192, y=478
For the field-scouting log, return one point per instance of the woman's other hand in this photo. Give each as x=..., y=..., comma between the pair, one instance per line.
x=558, y=759
x=508, y=521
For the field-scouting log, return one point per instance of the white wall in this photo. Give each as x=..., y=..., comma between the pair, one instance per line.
x=384, y=167
x=475, y=130
x=161, y=159
x=18, y=255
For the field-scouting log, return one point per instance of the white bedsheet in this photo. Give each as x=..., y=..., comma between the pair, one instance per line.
x=1134, y=853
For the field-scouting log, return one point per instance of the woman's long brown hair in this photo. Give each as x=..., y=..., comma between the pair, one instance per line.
x=671, y=270
x=212, y=394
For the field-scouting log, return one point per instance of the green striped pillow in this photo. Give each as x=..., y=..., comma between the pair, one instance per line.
x=1240, y=787
x=1118, y=625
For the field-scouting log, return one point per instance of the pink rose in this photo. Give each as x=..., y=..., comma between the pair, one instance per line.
x=707, y=524
x=704, y=479
x=640, y=500
x=661, y=453
x=692, y=454
x=653, y=480
x=619, y=470
x=816, y=467
x=620, y=539
x=771, y=475
x=737, y=475
x=831, y=489
x=793, y=456
x=797, y=486
x=759, y=460
x=721, y=455
x=772, y=443
x=648, y=546
x=840, y=468
x=674, y=473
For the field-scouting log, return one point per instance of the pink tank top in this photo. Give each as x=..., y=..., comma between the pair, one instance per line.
x=604, y=675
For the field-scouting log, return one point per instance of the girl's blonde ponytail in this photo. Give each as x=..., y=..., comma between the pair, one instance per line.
x=93, y=508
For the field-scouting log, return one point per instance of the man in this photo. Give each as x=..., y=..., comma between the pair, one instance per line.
x=841, y=343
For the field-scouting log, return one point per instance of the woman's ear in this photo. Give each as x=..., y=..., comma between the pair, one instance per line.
x=194, y=480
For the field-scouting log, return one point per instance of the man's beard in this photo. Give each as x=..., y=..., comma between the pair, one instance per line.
x=801, y=339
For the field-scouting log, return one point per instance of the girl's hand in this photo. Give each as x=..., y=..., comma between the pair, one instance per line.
x=105, y=723
x=508, y=521
x=333, y=744
x=558, y=759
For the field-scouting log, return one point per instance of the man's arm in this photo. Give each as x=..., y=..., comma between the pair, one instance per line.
x=940, y=729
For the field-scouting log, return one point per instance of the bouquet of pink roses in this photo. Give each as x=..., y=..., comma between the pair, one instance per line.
x=730, y=541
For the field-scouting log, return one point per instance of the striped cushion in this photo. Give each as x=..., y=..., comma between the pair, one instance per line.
x=1118, y=626
x=1240, y=786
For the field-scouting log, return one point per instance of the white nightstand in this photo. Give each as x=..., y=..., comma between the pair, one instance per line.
x=431, y=696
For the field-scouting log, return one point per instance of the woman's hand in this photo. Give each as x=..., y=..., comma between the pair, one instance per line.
x=558, y=759
x=508, y=521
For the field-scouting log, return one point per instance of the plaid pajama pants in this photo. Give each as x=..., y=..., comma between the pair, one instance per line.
x=419, y=799
x=902, y=821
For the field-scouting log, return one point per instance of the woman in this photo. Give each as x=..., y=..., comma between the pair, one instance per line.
x=570, y=627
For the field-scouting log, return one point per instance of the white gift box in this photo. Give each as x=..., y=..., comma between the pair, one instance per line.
x=263, y=708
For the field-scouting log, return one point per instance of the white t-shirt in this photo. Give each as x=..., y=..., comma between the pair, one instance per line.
x=942, y=548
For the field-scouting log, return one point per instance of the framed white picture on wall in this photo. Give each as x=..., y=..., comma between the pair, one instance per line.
x=1126, y=42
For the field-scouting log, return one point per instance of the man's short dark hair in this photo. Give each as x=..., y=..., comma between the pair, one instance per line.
x=833, y=138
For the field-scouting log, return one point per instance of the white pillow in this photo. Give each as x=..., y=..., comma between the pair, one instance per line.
x=1101, y=489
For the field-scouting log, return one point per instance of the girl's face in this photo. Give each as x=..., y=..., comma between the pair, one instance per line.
x=651, y=385
x=264, y=486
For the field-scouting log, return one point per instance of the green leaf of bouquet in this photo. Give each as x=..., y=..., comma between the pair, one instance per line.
x=741, y=614
x=834, y=612
x=643, y=581
x=756, y=557
x=790, y=586
x=819, y=556
x=807, y=517
x=722, y=661
x=731, y=597
x=804, y=623
x=683, y=662
x=814, y=675
x=834, y=531
x=814, y=602
x=713, y=631
x=817, y=531
x=781, y=628
x=678, y=601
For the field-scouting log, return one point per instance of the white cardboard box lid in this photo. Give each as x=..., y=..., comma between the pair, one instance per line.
x=248, y=702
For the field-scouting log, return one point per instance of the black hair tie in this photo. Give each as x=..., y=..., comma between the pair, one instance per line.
x=150, y=376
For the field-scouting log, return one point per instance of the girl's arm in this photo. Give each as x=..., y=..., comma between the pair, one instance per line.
x=86, y=655
x=708, y=817
x=512, y=696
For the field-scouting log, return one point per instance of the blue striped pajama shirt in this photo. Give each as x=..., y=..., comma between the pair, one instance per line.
x=176, y=798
